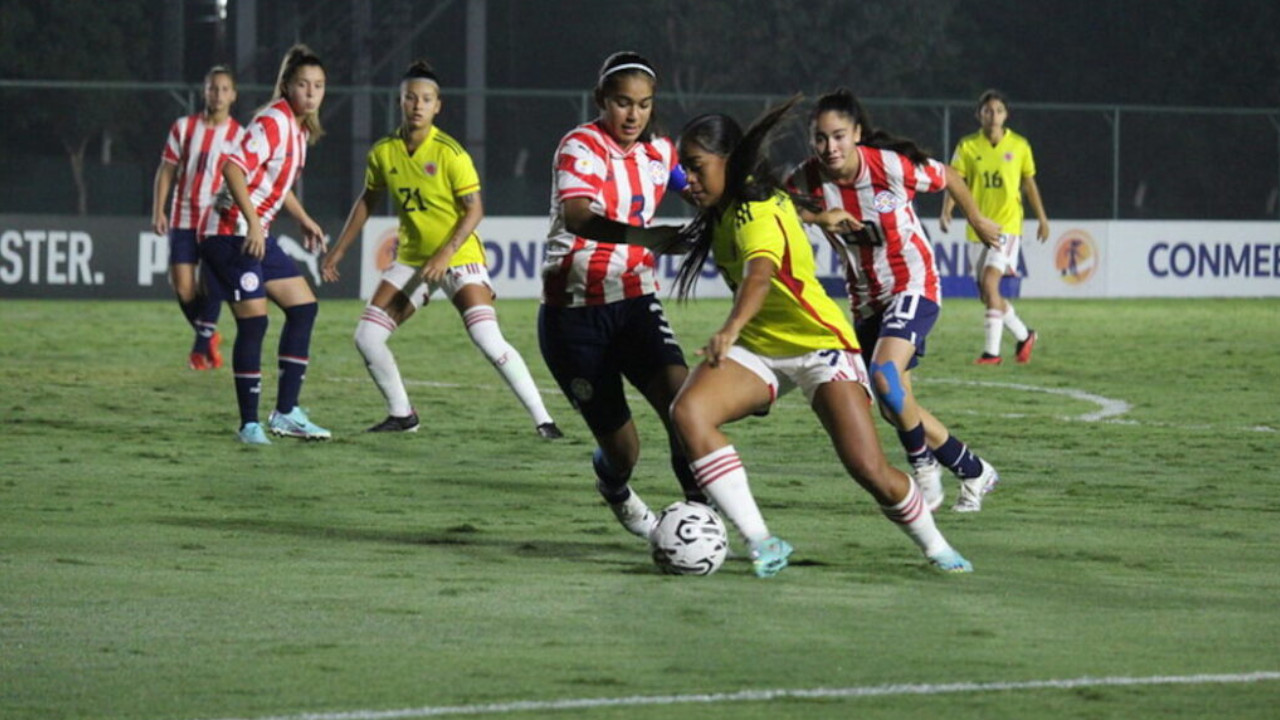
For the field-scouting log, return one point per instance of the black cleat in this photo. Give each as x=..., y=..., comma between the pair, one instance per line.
x=549, y=431
x=397, y=424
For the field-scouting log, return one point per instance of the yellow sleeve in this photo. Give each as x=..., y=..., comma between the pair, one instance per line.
x=462, y=174
x=758, y=231
x=374, y=179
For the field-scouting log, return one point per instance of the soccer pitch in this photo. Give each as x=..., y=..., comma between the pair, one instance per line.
x=151, y=567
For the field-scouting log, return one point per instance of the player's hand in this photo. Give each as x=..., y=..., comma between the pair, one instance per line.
x=1042, y=233
x=160, y=225
x=255, y=243
x=435, y=269
x=313, y=237
x=837, y=221
x=988, y=231
x=329, y=268
x=944, y=223
x=717, y=347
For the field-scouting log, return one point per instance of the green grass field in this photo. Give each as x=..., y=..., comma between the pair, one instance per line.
x=151, y=567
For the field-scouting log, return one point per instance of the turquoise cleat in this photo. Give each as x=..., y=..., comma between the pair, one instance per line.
x=253, y=434
x=951, y=561
x=770, y=556
x=295, y=423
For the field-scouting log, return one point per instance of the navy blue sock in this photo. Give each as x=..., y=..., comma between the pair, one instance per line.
x=295, y=347
x=190, y=309
x=208, y=307
x=913, y=442
x=957, y=456
x=246, y=365
x=611, y=483
x=684, y=473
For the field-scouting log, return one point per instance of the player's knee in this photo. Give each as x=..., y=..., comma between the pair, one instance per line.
x=302, y=316
x=887, y=384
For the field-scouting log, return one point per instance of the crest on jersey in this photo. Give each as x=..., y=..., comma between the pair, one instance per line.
x=430, y=169
x=658, y=172
x=249, y=282
x=1008, y=157
x=582, y=166
x=885, y=201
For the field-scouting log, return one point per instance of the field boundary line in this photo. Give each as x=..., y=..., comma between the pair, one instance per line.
x=780, y=694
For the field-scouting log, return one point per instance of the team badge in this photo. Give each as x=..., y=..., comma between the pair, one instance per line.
x=249, y=282
x=658, y=172
x=581, y=389
x=1008, y=157
x=885, y=201
x=582, y=166
x=430, y=169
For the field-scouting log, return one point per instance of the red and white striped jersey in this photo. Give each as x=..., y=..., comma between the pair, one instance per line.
x=197, y=149
x=883, y=193
x=625, y=186
x=272, y=151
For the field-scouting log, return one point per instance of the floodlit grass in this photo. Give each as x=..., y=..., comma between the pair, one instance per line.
x=151, y=567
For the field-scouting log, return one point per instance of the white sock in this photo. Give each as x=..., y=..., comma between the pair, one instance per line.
x=372, y=331
x=1014, y=323
x=994, y=325
x=482, y=326
x=721, y=476
x=915, y=519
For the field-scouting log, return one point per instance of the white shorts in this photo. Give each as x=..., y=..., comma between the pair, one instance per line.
x=807, y=372
x=408, y=280
x=1004, y=258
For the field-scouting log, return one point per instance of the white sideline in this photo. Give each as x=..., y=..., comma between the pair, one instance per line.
x=778, y=694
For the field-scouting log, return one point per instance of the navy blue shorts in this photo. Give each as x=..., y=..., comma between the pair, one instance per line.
x=183, y=248
x=909, y=317
x=589, y=350
x=237, y=276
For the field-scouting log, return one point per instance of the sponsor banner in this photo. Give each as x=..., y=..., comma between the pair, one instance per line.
x=1194, y=259
x=58, y=256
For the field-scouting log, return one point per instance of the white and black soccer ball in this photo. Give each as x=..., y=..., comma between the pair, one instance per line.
x=689, y=539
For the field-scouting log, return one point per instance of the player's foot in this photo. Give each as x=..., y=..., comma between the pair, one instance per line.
x=770, y=556
x=214, y=354
x=973, y=489
x=295, y=423
x=928, y=477
x=988, y=359
x=1026, y=346
x=253, y=434
x=549, y=431
x=951, y=561
x=635, y=515
x=198, y=361
x=408, y=423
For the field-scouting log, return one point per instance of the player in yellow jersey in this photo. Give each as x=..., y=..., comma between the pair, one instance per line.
x=998, y=165
x=783, y=332
x=436, y=192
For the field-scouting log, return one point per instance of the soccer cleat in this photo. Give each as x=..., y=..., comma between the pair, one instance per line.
x=295, y=423
x=770, y=556
x=215, y=355
x=928, y=476
x=1026, y=346
x=972, y=489
x=951, y=561
x=988, y=359
x=253, y=434
x=635, y=516
x=408, y=423
x=198, y=361
x=549, y=431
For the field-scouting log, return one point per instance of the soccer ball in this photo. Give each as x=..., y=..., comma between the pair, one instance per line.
x=689, y=539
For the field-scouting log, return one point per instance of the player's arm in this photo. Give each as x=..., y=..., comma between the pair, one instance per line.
x=948, y=204
x=958, y=194
x=1032, y=192
x=747, y=301
x=472, y=213
x=255, y=241
x=160, y=193
x=580, y=220
x=312, y=233
x=361, y=211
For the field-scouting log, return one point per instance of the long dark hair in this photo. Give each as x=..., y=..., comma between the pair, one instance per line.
x=749, y=176
x=627, y=64
x=843, y=101
x=299, y=56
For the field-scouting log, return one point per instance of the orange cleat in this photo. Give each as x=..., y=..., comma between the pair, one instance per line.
x=1026, y=346
x=198, y=361
x=988, y=359
x=215, y=356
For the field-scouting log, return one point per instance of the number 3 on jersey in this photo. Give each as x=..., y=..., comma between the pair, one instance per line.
x=411, y=199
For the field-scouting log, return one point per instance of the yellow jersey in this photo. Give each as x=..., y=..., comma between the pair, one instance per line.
x=425, y=188
x=798, y=316
x=994, y=174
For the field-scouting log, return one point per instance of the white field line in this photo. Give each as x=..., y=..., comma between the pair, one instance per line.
x=1109, y=410
x=779, y=694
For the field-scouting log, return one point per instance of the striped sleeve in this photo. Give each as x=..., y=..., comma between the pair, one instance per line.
x=580, y=169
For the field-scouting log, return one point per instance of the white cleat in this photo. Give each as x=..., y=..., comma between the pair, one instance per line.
x=973, y=489
x=635, y=516
x=928, y=477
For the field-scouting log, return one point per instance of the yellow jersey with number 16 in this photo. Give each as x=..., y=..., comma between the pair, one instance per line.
x=994, y=174
x=425, y=188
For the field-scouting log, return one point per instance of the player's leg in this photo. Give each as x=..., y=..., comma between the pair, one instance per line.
x=184, y=257
x=208, y=340
x=844, y=411
x=398, y=296
x=1011, y=252
x=290, y=291
x=712, y=397
x=473, y=296
x=239, y=277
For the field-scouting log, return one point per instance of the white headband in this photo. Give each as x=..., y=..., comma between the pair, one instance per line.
x=630, y=66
